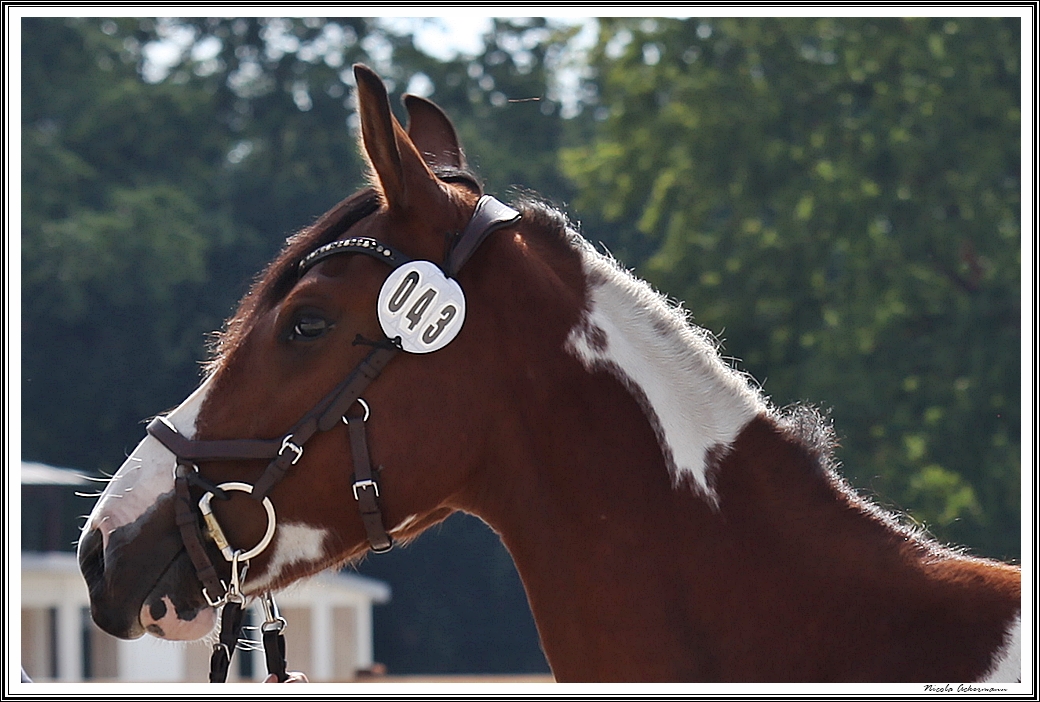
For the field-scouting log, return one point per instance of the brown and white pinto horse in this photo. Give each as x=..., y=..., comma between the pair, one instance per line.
x=667, y=522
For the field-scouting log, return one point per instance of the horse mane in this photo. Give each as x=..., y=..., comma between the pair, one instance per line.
x=812, y=428
x=805, y=426
x=544, y=214
x=813, y=431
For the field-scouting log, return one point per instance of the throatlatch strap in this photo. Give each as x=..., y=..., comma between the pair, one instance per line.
x=366, y=489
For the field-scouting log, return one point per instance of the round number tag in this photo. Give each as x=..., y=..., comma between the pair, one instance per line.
x=422, y=306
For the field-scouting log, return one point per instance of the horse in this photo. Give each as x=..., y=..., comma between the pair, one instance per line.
x=422, y=349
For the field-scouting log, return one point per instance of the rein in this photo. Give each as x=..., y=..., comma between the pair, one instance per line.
x=342, y=404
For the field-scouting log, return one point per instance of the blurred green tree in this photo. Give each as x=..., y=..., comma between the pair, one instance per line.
x=838, y=198
x=118, y=229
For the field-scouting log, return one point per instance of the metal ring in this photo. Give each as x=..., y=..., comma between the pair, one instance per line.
x=368, y=412
x=211, y=521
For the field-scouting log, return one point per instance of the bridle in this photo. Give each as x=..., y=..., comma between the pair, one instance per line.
x=343, y=404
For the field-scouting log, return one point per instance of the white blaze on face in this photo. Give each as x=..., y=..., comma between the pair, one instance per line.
x=693, y=399
x=146, y=475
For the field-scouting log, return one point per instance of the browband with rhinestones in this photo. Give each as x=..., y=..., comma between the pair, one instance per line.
x=358, y=244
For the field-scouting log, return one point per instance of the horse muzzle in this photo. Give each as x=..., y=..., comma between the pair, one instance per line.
x=140, y=581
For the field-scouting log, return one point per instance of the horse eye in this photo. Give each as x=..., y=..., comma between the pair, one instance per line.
x=309, y=327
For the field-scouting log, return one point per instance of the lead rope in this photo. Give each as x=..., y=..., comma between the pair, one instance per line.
x=230, y=628
x=230, y=625
x=231, y=619
x=273, y=639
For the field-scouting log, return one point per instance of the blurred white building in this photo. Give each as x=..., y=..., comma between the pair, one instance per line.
x=329, y=632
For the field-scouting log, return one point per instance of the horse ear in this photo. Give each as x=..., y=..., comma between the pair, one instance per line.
x=433, y=134
x=400, y=171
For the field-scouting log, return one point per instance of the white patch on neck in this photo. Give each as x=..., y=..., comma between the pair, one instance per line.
x=691, y=397
x=146, y=475
x=293, y=543
x=1007, y=661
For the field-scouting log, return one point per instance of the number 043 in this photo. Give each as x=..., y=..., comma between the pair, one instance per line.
x=421, y=306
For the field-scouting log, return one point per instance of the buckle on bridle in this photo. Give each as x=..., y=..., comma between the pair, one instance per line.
x=287, y=443
x=364, y=417
x=362, y=484
x=232, y=592
x=214, y=603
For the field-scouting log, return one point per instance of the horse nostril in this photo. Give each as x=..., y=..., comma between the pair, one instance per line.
x=92, y=557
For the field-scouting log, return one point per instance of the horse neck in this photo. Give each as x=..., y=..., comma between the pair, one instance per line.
x=666, y=525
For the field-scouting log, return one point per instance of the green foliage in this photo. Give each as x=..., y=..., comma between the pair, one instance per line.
x=89, y=249
x=114, y=227
x=840, y=199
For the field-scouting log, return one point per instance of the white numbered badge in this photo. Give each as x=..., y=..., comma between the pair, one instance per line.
x=422, y=306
